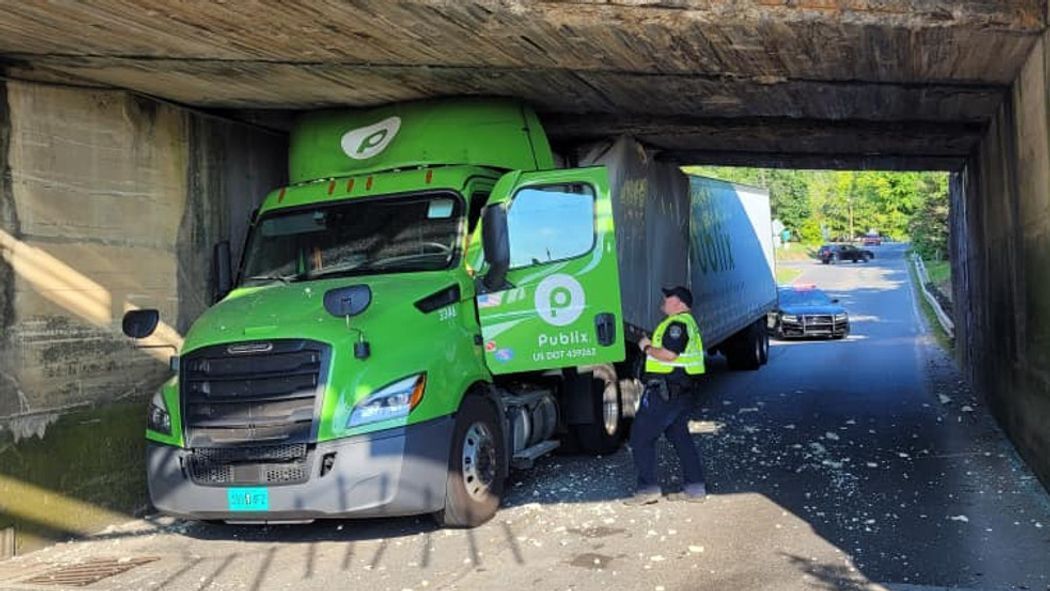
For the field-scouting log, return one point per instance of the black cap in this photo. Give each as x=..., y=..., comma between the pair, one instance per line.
x=681, y=293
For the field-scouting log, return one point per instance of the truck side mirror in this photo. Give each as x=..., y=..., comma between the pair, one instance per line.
x=221, y=270
x=139, y=324
x=495, y=240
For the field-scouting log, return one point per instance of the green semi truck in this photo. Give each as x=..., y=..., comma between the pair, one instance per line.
x=431, y=303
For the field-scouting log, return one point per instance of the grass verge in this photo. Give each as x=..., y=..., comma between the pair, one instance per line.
x=928, y=314
x=786, y=275
x=940, y=273
x=796, y=252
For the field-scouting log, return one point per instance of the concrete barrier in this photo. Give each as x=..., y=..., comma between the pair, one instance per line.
x=999, y=239
x=108, y=200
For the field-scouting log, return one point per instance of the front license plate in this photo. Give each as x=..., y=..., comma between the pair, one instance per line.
x=248, y=499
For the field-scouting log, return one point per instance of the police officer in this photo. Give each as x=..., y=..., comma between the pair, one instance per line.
x=674, y=357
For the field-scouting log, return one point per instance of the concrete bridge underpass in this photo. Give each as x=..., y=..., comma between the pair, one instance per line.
x=134, y=135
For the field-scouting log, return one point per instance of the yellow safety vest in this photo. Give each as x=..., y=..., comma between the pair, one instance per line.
x=692, y=359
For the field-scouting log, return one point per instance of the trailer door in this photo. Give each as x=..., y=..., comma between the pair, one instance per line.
x=560, y=304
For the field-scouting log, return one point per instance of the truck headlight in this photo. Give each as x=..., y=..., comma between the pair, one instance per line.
x=392, y=402
x=841, y=316
x=789, y=318
x=157, y=418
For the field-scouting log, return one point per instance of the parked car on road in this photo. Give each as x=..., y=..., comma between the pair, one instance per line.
x=805, y=311
x=872, y=240
x=829, y=253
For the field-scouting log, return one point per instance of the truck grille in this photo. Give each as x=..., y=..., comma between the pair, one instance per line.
x=264, y=464
x=253, y=393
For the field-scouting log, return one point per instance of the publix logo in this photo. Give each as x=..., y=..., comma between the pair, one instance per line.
x=364, y=142
x=559, y=299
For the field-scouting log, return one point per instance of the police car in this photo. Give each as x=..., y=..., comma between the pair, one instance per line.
x=805, y=311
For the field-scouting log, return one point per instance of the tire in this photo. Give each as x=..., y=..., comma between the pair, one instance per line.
x=764, y=337
x=745, y=351
x=475, y=475
x=605, y=435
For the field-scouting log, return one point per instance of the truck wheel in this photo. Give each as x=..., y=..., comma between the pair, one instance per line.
x=475, y=476
x=764, y=337
x=745, y=352
x=604, y=435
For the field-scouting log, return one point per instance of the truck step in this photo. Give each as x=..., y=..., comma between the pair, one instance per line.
x=524, y=459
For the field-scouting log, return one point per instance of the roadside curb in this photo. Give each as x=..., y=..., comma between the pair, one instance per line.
x=924, y=278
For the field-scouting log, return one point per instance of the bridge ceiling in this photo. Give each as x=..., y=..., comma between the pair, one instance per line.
x=898, y=83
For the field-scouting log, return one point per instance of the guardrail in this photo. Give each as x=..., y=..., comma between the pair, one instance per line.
x=924, y=278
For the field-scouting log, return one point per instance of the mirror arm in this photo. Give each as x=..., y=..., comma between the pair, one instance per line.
x=482, y=285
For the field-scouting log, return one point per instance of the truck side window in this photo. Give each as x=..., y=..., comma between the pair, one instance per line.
x=550, y=223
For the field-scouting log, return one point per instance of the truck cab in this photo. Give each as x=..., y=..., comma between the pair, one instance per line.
x=427, y=303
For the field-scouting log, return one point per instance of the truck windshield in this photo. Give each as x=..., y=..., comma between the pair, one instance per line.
x=805, y=297
x=398, y=234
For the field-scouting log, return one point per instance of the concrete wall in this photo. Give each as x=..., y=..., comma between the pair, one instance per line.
x=1001, y=262
x=107, y=201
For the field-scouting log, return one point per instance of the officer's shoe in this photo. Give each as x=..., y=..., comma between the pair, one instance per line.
x=643, y=497
x=693, y=493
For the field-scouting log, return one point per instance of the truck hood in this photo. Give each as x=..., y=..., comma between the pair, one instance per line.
x=296, y=310
x=806, y=310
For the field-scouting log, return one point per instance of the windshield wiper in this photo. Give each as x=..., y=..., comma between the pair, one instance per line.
x=337, y=269
x=285, y=279
x=405, y=258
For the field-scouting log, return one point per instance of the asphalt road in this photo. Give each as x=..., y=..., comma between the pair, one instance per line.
x=861, y=464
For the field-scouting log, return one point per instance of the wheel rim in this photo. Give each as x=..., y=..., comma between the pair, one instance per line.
x=610, y=409
x=479, y=460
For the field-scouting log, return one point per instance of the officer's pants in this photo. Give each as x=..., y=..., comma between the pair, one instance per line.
x=657, y=416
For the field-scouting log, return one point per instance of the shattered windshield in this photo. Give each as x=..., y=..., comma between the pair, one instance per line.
x=386, y=235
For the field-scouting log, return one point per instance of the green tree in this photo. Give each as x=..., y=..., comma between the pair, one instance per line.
x=898, y=204
x=929, y=226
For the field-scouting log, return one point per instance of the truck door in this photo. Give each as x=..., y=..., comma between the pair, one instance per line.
x=559, y=305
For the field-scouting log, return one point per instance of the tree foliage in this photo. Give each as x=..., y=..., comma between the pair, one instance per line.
x=929, y=225
x=902, y=205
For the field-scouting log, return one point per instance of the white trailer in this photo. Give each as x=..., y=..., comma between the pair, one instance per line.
x=709, y=235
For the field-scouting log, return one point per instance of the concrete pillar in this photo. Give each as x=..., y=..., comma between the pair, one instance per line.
x=107, y=201
x=1001, y=263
